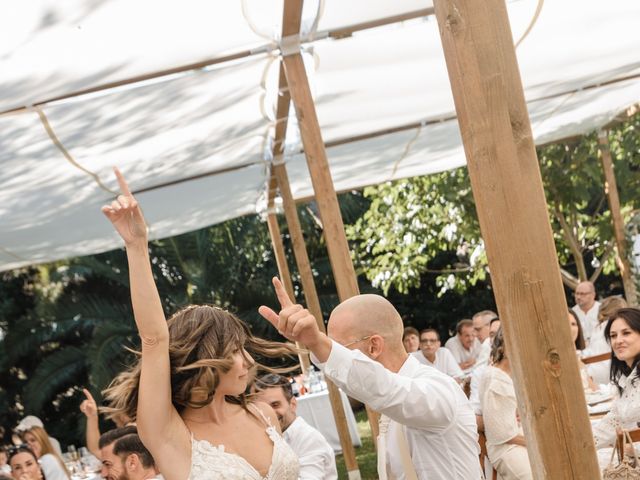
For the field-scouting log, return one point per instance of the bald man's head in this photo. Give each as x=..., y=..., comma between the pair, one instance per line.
x=365, y=315
x=585, y=295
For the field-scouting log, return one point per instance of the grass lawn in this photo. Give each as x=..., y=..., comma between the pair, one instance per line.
x=365, y=455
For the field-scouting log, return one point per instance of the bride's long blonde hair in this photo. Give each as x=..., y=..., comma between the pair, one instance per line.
x=202, y=340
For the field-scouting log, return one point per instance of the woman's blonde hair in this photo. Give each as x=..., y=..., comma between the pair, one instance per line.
x=45, y=445
x=202, y=341
x=609, y=306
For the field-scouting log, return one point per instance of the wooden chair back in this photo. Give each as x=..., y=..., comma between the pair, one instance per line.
x=482, y=440
x=597, y=358
x=635, y=437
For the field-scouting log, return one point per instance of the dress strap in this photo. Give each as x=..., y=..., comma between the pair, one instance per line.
x=265, y=419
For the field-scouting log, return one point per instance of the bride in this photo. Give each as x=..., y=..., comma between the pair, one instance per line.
x=187, y=391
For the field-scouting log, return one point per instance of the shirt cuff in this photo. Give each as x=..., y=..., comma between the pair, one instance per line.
x=338, y=357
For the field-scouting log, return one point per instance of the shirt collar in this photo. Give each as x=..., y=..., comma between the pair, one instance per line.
x=410, y=366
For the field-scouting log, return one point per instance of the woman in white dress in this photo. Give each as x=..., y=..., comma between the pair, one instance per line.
x=506, y=445
x=623, y=333
x=187, y=392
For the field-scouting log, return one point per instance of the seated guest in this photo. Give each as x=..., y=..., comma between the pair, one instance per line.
x=432, y=354
x=24, y=463
x=316, y=457
x=476, y=376
x=136, y=463
x=111, y=466
x=4, y=461
x=481, y=322
x=52, y=464
x=506, y=445
x=623, y=334
x=464, y=346
x=599, y=371
x=32, y=421
x=578, y=340
x=411, y=339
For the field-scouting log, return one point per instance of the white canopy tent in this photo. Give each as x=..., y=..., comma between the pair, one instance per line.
x=193, y=143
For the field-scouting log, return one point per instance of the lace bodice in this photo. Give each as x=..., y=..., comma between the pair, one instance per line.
x=210, y=462
x=625, y=413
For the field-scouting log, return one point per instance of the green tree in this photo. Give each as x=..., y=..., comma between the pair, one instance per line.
x=410, y=221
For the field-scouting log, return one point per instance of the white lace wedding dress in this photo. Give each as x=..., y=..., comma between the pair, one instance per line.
x=210, y=462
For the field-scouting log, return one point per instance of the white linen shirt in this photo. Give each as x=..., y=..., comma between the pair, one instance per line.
x=440, y=426
x=444, y=362
x=317, y=460
x=460, y=353
x=588, y=320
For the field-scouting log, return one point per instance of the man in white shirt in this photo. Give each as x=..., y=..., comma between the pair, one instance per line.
x=464, y=346
x=432, y=354
x=481, y=322
x=316, y=457
x=586, y=308
x=427, y=424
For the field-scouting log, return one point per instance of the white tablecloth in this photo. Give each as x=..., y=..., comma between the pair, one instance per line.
x=315, y=408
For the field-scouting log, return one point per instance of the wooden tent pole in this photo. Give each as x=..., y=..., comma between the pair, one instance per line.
x=325, y=194
x=313, y=304
x=611, y=189
x=507, y=187
x=283, y=273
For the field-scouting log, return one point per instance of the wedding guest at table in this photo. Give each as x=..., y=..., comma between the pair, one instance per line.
x=427, y=427
x=4, y=460
x=578, y=340
x=32, y=421
x=586, y=308
x=112, y=468
x=432, y=354
x=316, y=457
x=506, y=445
x=481, y=322
x=136, y=462
x=476, y=376
x=24, y=464
x=52, y=464
x=411, y=339
x=92, y=432
x=464, y=346
x=600, y=371
x=623, y=334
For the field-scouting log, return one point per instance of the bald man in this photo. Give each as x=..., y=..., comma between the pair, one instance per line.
x=428, y=429
x=587, y=308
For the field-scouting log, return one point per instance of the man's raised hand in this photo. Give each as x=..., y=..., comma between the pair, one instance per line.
x=125, y=214
x=293, y=322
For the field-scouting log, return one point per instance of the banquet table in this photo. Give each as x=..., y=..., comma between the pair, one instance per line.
x=315, y=408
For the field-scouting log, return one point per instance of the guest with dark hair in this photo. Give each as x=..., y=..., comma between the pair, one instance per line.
x=136, y=461
x=316, y=457
x=464, y=346
x=52, y=463
x=623, y=334
x=112, y=468
x=578, y=339
x=24, y=463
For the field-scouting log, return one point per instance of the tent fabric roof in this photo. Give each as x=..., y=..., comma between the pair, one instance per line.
x=194, y=143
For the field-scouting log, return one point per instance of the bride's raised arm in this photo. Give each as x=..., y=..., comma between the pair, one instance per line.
x=159, y=424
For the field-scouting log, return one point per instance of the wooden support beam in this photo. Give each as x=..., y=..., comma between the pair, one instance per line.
x=611, y=189
x=507, y=187
x=283, y=273
x=313, y=304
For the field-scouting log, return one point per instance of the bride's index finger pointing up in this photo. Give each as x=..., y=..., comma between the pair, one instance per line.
x=124, y=187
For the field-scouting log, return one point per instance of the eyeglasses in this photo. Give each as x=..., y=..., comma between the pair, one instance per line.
x=367, y=337
x=429, y=340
